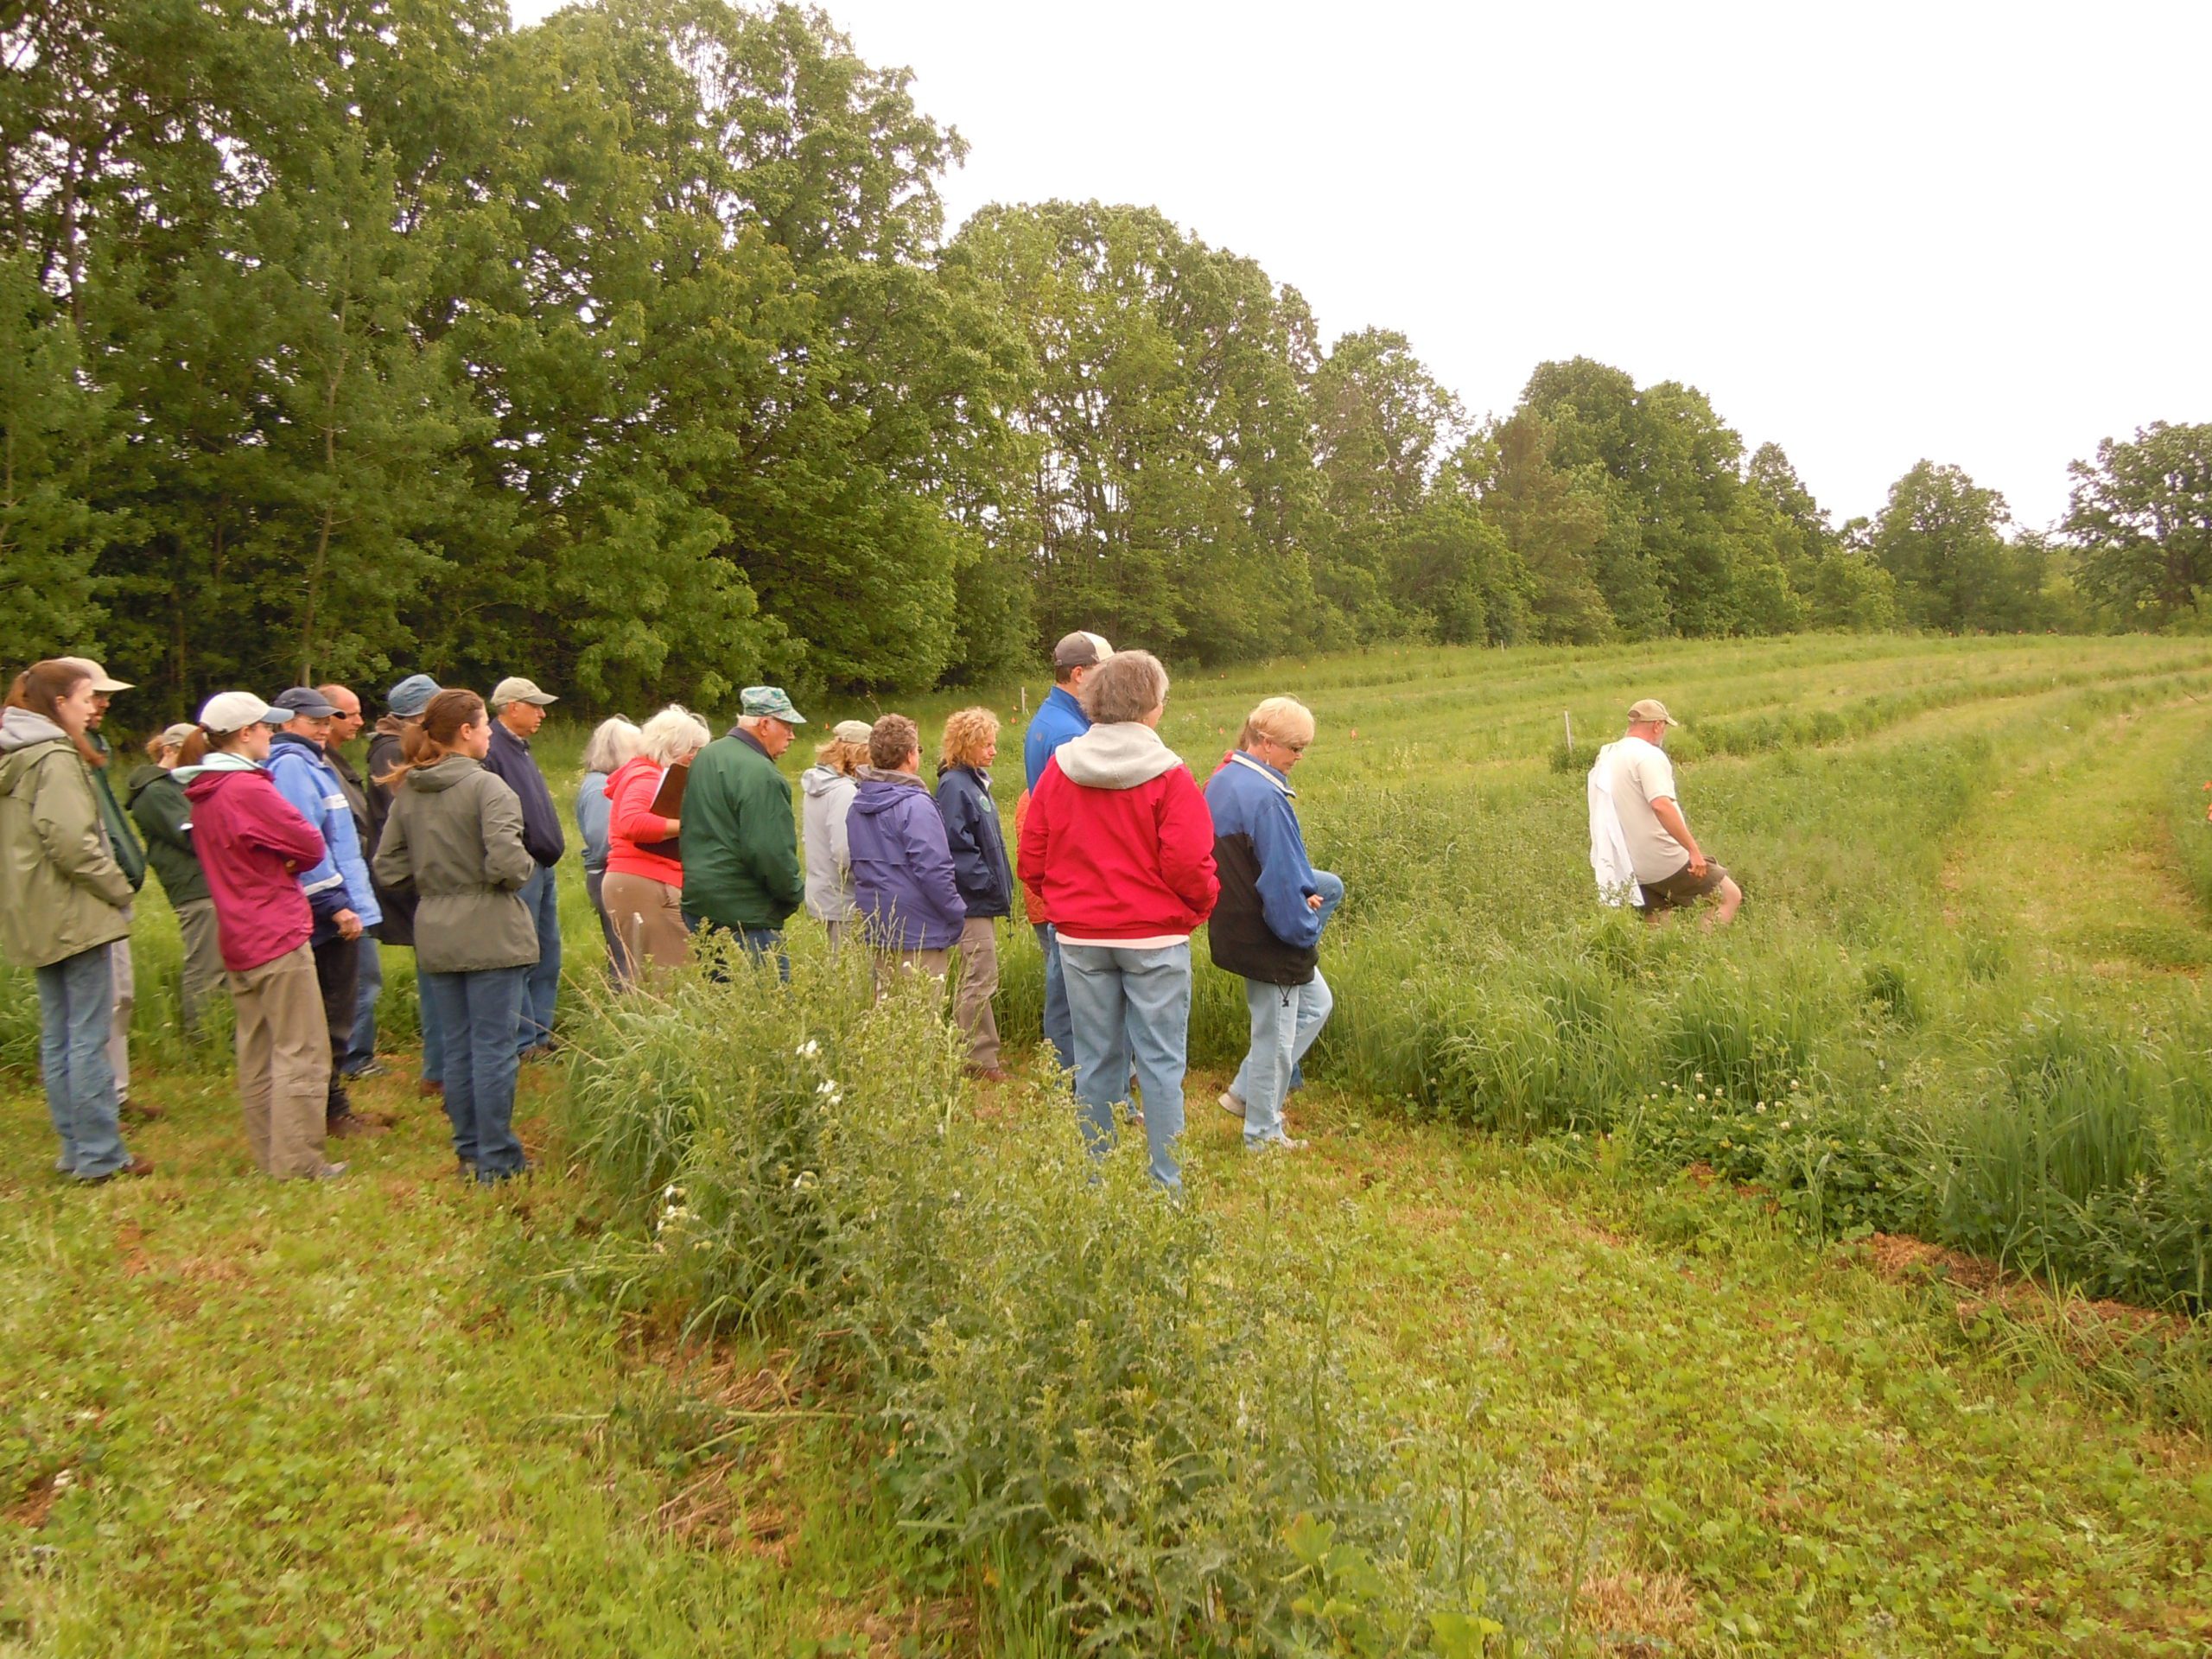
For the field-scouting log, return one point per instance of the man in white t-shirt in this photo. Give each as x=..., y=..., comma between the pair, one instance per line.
x=1670, y=868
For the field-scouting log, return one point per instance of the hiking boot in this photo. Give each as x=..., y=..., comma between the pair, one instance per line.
x=350, y=1127
x=429, y=1086
x=132, y=1111
x=988, y=1073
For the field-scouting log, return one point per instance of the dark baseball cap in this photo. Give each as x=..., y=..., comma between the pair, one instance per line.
x=299, y=703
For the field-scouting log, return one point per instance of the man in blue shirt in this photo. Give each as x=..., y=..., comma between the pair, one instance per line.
x=517, y=711
x=1058, y=718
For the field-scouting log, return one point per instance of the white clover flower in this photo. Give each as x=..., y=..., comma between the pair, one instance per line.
x=1700, y=1093
x=1700, y=1077
x=1761, y=1105
x=1784, y=1124
x=808, y=1050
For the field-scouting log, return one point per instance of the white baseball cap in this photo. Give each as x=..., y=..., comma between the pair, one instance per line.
x=233, y=711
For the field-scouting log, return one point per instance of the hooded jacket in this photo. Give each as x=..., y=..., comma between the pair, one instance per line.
x=62, y=890
x=902, y=870
x=971, y=830
x=741, y=844
x=1117, y=846
x=164, y=817
x=121, y=842
x=397, y=926
x=455, y=839
x=252, y=845
x=304, y=776
x=830, y=795
x=1262, y=928
x=638, y=841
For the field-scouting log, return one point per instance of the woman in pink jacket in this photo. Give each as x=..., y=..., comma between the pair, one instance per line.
x=643, y=888
x=252, y=843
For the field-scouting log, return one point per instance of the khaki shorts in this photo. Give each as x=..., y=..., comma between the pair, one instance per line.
x=1682, y=889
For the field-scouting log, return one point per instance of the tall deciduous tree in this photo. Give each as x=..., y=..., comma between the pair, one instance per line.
x=2141, y=516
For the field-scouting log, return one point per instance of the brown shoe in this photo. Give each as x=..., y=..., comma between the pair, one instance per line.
x=988, y=1073
x=135, y=1168
x=132, y=1111
x=429, y=1086
x=351, y=1127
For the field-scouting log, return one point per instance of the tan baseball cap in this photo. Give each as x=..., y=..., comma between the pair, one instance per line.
x=1651, y=708
x=100, y=680
x=515, y=688
x=851, y=731
x=1081, y=650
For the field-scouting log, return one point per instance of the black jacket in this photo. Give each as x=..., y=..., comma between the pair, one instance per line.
x=978, y=846
x=510, y=761
x=397, y=903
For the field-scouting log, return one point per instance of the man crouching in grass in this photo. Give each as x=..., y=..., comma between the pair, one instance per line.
x=1670, y=868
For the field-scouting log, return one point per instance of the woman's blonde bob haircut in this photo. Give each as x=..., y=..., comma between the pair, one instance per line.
x=675, y=734
x=1127, y=686
x=1278, y=719
x=968, y=733
x=841, y=756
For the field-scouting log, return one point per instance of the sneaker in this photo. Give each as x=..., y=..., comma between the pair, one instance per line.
x=352, y=1126
x=373, y=1069
x=1232, y=1103
x=497, y=1177
x=331, y=1171
x=1280, y=1144
x=131, y=1170
x=132, y=1111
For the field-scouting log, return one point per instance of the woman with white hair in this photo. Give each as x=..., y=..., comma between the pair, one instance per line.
x=644, y=864
x=614, y=740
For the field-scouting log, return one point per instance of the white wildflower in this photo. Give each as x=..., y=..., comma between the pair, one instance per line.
x=808, y=1050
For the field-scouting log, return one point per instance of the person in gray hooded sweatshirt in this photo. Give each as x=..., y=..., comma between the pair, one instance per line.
x=828, y=786
x=454, y=838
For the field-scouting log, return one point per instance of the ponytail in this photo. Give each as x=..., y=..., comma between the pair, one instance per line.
x=430, y=738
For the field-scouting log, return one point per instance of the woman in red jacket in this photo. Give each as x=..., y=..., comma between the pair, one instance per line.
x=252, y=844
x=1117, y=854
x=643, y=888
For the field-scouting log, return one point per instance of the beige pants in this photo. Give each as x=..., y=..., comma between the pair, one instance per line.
x=125, y=975
x=648, y=919
x=203, y=962
x=979, y=983
x=283, y=1041
x=892, y=966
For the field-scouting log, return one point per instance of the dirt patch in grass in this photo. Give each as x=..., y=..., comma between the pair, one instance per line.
x=1894, y=1255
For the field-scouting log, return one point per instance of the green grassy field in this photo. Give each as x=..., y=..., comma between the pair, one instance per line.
x=1488, y=1314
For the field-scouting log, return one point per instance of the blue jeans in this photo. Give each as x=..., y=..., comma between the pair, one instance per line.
x=76, y=1011
x=541, y=897
x=1285, y=1018
x=1058, y=1030
x=477, y=1012
x=1131, y=1008
x=361, y=1047
x=433, y=1027
x=1333, y=894
x=760, y=942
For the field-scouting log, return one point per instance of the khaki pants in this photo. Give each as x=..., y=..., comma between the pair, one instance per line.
x=979, y=983
x=893, y=966
x=283, y=1042
x=648, y=920
x=203, y=962
x=126, y=999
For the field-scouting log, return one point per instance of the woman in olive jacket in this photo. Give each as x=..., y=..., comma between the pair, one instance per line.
x=62, y=903
x=454, y=839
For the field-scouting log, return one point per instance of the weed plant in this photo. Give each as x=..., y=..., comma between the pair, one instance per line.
x=1147, y=1427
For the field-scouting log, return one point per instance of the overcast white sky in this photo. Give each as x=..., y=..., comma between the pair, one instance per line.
x=1874, y=233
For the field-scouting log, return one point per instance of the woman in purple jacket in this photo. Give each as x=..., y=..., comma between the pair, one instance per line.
x=909, y=904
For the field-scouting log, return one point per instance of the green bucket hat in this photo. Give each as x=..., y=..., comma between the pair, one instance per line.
x=769, y=701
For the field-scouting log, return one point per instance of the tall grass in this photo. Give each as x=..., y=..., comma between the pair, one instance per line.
x=1147, y=1418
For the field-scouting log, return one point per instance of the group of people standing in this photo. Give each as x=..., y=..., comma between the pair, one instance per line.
x=285, y=865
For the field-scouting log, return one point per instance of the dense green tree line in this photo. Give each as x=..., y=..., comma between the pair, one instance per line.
x=341, y=336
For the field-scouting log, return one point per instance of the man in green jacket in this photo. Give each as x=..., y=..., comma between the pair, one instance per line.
x=740, y=843
x=123, y=841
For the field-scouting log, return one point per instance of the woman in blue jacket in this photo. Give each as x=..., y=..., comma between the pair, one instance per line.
x=907, y=904
x=982, y=874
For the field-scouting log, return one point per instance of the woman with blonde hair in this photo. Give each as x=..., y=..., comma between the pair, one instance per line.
x=980, y=871
x=829, y=786
x=645, y=861
x=613, y=742
x=454, y=838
